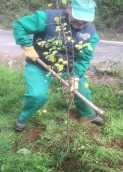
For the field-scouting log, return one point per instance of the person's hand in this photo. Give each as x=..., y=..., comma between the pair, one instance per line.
x=30, y=53
x=74, y=83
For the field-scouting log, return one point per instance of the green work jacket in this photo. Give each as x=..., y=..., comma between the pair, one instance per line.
x=36, y=23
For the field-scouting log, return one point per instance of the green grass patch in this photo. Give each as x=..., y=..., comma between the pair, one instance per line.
x=42, y=147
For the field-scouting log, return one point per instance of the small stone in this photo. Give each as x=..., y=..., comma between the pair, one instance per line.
x=10, y=63
x=120, y=93
x=24, y=151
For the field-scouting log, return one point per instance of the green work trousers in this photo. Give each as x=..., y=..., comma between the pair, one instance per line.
x=38, y=82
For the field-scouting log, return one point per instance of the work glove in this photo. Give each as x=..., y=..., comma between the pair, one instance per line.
x=74, y=83
x=30, y=53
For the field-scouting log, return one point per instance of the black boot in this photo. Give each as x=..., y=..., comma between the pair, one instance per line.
x=98, y=121
x=20, y=126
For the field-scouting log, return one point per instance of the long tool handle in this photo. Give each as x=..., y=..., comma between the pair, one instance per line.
x=96, y=109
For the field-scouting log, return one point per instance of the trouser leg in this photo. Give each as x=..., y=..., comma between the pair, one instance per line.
x=84, y=109
x=36, y=96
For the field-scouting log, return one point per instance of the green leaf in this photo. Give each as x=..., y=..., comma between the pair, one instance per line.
x=39, y=43
x=68, y=38
x=45, y=53
x=64, y=24
x=51, y=40
x=54, y=52
x=60, y=67
x=56, y=64
x=88, y=45
x=81, y=42
x=60, y=60
x=65, y=62
x=51, y=58
x=72, y=41
x=50, y=5
x=43, y=42
x=59, y=48
x=64, y=2
x=44, y=111
x=50, y=50
x=56, y=42
x=60, y=42
x=79, y=47
x=58, y=29
x=57, y=20
x=64, y=28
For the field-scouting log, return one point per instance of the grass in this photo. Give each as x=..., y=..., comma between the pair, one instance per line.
x=43, y=144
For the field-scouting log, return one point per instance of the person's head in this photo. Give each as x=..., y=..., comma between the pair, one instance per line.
x=80, y=12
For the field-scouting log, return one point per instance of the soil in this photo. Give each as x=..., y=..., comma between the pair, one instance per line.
x=33, y=134
x=29, y=137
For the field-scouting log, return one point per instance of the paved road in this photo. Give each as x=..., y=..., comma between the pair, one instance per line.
x=106, y=50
